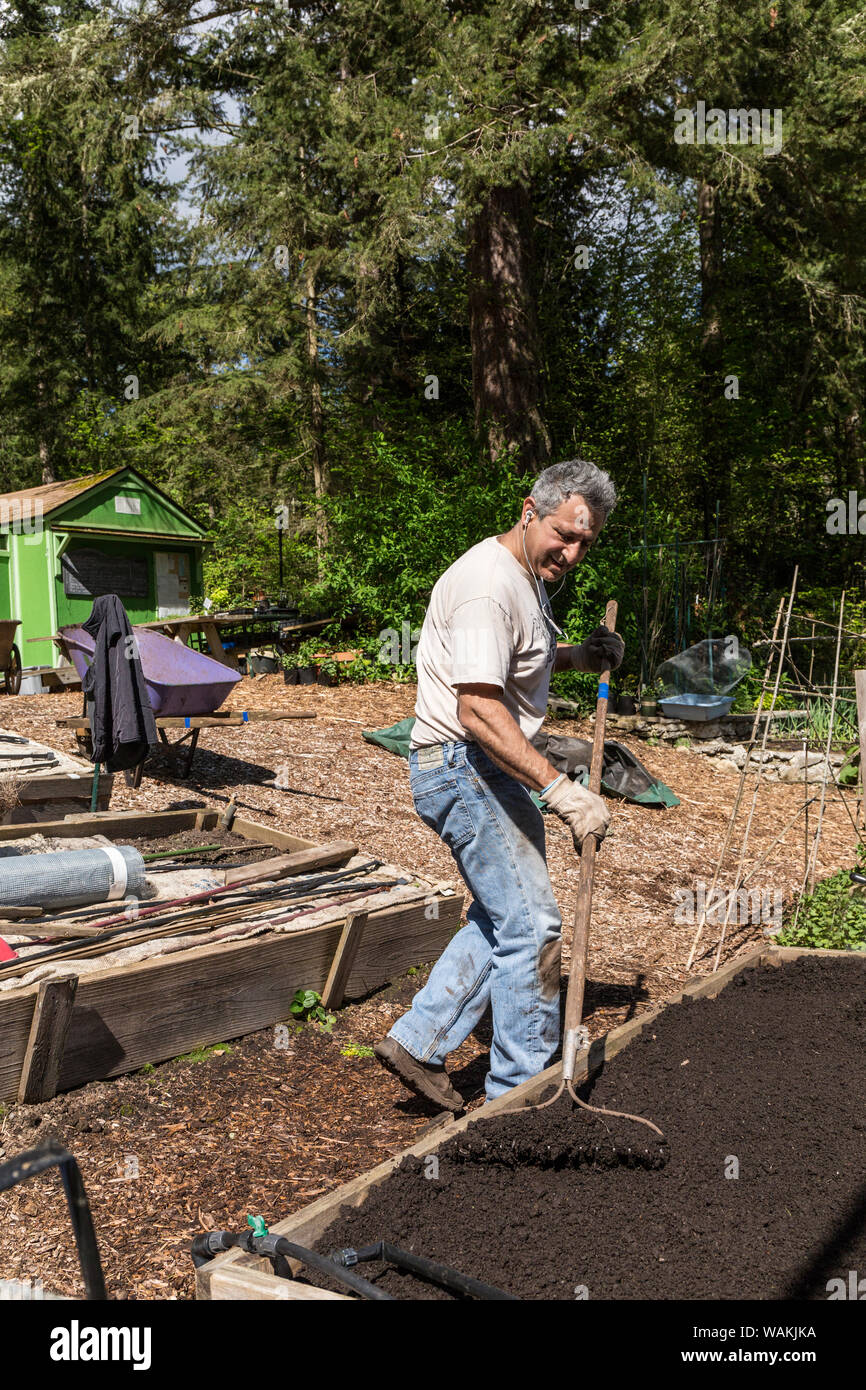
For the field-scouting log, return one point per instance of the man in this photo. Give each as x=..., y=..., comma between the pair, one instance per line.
x=485, y=657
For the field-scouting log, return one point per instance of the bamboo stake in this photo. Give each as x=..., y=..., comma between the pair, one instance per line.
x=703, y=914
x=813, y=863
x=759, y=776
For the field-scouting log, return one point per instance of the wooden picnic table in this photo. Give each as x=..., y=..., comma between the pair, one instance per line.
x=210, y=625
x=192, y=724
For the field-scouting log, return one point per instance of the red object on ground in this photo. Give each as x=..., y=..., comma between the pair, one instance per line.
x=6, y=952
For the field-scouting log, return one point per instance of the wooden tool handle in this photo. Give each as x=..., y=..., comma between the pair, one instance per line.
x=583, y=906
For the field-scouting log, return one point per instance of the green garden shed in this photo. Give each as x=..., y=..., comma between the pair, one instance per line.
x=110, y=533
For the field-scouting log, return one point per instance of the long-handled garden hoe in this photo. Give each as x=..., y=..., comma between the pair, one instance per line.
x=558, y=1146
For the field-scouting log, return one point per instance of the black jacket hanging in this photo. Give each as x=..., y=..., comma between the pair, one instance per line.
x=122, y=725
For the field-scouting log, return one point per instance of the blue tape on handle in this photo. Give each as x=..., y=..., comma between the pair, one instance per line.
x=603, y=690
x=245, y=717
x=186, y=723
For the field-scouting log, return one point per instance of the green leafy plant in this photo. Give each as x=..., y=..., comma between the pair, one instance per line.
x=308, y=650
x=306, y=1006
x=329, y=667
x=354, y=1050
x=832, y=917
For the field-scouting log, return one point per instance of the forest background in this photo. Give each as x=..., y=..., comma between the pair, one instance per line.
x=349, y=274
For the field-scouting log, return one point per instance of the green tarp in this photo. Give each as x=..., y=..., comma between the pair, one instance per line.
x=622, y=776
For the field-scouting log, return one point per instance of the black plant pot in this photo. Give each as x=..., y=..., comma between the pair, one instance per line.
x=290, y=677
x=626, y=705
x=306, y=675
x=325, y=678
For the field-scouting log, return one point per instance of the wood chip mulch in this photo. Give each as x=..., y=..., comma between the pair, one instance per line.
x=195, y=1145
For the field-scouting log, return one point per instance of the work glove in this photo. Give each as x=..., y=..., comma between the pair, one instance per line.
x=583, y=812
x=602, y=651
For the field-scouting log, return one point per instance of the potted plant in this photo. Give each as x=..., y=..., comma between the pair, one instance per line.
x=329, y=671
x=307, y=662
x=289, y=663
x=649, y=705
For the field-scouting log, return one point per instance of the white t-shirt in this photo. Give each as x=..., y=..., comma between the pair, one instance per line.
x=484, y=625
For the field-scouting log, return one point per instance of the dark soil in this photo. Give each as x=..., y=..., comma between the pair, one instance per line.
x=190, y=839
x=767, y=1078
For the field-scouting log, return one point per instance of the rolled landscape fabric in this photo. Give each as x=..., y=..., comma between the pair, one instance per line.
x=71, y=878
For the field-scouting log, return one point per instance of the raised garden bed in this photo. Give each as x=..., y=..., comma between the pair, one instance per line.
x=762, y=1076
x=150, y=1010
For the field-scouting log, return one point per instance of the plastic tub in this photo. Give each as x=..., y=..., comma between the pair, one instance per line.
x=696, y=707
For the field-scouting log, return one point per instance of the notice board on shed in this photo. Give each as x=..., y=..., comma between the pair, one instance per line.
x=88, y=573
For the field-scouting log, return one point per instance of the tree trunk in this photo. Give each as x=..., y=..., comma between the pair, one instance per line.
x=321, y=471
x=46, y=461
x=715, y=479
x=503, y=327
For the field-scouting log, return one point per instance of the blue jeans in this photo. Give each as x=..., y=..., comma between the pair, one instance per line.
x=508, y=954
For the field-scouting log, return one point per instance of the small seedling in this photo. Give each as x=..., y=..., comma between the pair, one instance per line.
x=307, y=1008
x=359, y=1051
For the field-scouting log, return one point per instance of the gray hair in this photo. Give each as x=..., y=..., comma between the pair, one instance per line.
x=574, y=476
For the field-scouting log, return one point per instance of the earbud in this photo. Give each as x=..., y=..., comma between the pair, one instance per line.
x=529, y=515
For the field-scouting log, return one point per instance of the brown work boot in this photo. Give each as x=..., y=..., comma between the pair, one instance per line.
x=419, y=1077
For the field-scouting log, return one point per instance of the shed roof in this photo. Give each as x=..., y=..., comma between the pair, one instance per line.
x=54, y=495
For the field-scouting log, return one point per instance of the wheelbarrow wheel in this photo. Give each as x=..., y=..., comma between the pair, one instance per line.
x=13, y=671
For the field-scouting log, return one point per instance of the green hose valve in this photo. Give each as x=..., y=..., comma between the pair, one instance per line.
x=258, y=1225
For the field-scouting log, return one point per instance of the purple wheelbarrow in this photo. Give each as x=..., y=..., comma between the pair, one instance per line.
x=179, y=680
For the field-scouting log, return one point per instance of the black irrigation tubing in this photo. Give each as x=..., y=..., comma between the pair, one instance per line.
x=423, y=1268
x=50, y=1154
x=278, y=1250
x=14, y=967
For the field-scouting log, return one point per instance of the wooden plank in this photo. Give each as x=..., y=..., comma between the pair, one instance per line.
x=307, y=1225
x=219, y=719
x=280, y=839
x=302, y=861
x=344, y=959
x=713, y=984
x=62, y=785
x=120, y=825
x=785, y=953
x=43, y=1058
x=56, y=931
x=260, y=1284
x=157, y=1009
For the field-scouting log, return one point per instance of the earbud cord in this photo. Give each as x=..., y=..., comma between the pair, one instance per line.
x=538, y=591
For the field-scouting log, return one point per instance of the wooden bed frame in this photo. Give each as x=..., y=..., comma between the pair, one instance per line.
x=124, y=1016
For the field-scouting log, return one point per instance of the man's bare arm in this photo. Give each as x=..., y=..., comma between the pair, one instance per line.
x=484, y=716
